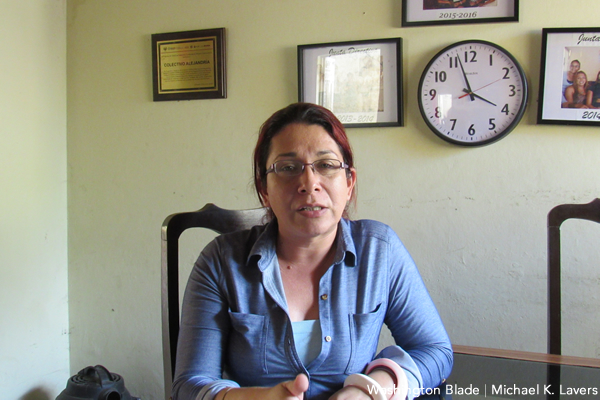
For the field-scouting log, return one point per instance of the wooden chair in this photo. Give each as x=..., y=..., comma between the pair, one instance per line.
x=556, y=217
x=210, y=217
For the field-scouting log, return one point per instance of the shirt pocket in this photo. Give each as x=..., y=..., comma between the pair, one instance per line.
x=364, y=337
x=247, y=342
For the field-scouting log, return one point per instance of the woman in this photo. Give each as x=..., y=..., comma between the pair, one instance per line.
x=593, y=94
x=569, y=76
x=293, y=309
x=576, y=94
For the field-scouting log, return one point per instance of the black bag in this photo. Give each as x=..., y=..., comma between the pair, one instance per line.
x=95, y=383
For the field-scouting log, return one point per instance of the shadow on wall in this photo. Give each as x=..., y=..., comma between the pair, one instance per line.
x=36, y=394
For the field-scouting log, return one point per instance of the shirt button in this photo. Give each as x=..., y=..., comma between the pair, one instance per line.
x=324, y=297
x=328, y=338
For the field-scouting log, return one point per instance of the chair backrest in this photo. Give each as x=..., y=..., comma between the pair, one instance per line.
x=210, y=217
x=556, y=217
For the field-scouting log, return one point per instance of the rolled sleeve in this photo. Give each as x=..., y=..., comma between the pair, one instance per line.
x=209, y=392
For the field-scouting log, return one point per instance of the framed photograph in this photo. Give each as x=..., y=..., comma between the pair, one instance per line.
x=570, y=77
x=441, y=12
x=360, y=81
x=189, y=65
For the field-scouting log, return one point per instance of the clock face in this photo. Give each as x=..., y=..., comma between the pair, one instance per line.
x=472, y=93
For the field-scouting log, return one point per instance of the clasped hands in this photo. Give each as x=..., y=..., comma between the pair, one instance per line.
x=294, y=390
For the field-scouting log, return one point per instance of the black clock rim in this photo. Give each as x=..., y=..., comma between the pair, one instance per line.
x=511, y=126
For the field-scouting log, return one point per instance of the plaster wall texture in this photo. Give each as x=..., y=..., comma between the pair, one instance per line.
x=34, y=326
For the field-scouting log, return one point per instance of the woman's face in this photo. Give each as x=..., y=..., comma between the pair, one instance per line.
x=581, y=79
x=574, y=67
x=310, y=205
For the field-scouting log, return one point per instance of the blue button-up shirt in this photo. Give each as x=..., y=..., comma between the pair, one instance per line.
x=235, y=320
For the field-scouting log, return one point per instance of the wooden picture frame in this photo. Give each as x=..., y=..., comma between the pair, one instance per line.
x=446, y=12
x=189, y=65
x=569, y=54
x=359, y=81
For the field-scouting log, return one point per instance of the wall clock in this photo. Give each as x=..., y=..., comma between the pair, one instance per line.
x=472, y=93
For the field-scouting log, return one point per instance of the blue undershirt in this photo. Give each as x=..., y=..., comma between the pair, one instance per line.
x=307, y=338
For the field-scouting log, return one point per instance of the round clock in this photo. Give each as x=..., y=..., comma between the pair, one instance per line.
x=472, y=93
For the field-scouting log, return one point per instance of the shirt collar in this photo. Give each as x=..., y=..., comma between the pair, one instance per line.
x=264, y=250
x=345, y=244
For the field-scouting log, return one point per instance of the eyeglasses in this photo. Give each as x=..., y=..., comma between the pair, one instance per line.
x=291, y=168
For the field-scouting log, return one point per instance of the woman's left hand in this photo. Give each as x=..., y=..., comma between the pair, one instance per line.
x=350, y=393
x=381, y=376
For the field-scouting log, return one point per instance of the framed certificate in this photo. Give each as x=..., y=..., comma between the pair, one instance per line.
x=359, y=81
x=441, y=12
x=570, y=77
x=189, y=65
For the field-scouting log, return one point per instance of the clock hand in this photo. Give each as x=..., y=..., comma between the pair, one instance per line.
x=476, y=95
x=470, y=92
x=464, y=95
x=487, y=85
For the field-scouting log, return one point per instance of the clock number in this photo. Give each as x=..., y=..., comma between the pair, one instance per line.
x=491, y=60
x=512, y=91
x=440, y=76
x=492, y=124
x=472, y=130
x=453, y=62
x=432, y=93
x=437, y=112
x=453, y=123
x=506, y=71
x=505, y=109
x=473, y=56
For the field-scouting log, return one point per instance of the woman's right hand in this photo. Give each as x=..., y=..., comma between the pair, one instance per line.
x=288, y=390
x=292, y=390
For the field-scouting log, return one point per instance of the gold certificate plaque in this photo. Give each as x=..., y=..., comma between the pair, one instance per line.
x=189, y=65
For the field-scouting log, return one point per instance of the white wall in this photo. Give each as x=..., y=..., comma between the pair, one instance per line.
x=34, y=346
x=474, y=219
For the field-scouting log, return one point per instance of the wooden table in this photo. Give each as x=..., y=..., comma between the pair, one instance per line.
x=492, y=374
